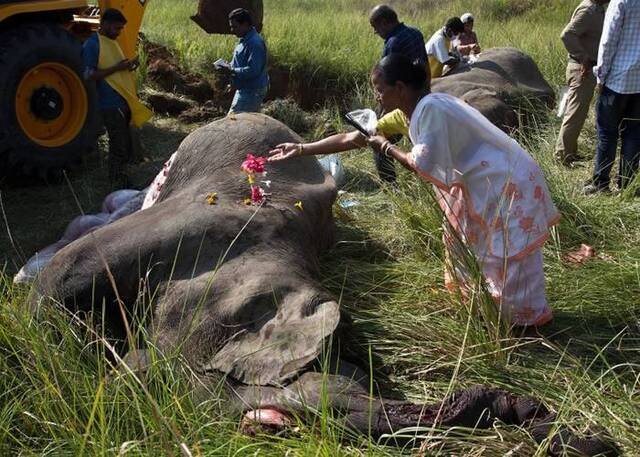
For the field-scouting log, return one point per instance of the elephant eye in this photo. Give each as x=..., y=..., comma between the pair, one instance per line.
x=257, y=310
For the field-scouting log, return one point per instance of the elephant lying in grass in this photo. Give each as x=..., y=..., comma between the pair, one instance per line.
x=233, y=288
x=503, y=84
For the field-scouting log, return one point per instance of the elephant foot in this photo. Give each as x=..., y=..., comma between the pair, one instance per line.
x=266, y=420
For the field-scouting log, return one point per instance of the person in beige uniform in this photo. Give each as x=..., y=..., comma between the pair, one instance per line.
x=581, y=37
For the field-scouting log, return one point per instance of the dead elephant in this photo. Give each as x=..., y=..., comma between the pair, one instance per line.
x=233, y=287
x=501, y=83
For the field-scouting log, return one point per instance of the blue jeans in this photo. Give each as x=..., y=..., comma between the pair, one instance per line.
x=617, y=115
x=248, y=100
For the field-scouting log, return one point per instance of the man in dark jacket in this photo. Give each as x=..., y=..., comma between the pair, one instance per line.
x=398, y=39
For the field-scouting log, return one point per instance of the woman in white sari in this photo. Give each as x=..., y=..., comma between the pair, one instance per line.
x=493, y=194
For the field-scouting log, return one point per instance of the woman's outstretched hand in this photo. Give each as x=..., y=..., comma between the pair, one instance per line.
x=285, y=151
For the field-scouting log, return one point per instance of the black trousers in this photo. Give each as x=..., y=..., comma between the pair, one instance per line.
x=617, y=118
x=116, y=122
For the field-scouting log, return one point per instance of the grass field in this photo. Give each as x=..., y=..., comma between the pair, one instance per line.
x=331, y=42
x=59, y=397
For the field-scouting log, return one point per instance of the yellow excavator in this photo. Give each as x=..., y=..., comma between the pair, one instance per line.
x=48, y=112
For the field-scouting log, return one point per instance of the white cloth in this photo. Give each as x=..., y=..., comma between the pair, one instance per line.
x=492, y=192
x=437, y=46
x=619, y=52
x=158, y=182
x=516, y=286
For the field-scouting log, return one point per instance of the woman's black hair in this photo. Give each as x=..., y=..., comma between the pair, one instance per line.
x=398, y=67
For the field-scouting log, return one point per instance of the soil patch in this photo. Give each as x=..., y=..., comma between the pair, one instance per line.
x=164, y=71
x=182, y=91
x=167, y=75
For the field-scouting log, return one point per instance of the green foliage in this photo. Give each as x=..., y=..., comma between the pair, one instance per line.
x=502, y=10
x=288, y=112
x=60, y=394
x=339, y=53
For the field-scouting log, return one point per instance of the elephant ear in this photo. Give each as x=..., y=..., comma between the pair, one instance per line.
x=285, y=342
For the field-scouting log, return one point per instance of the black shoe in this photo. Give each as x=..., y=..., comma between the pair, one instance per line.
x=592, y=189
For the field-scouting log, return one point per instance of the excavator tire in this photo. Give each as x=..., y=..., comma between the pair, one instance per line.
x=48, y=112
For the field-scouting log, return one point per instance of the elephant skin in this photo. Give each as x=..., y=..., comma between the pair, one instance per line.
x=233, y=288
x=492, y=83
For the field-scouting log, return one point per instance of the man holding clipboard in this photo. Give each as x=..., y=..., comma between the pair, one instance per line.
x=248, y=68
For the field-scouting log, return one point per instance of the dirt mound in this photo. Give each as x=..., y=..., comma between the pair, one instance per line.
x=165, y=72
x=190, y=96
x=167, y=75
x=167, y=103
x=206, y=112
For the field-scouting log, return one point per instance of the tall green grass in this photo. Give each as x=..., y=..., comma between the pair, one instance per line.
x=60, y=395
x=333, y=41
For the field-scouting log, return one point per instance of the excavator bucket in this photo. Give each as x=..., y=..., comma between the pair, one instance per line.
x=213, y=15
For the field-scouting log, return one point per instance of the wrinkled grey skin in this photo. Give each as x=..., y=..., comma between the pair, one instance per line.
x=235, y=291
x=234, y=286
x=491, y=84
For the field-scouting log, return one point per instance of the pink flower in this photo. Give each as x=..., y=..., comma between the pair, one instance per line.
x=257, y=194
x=253, y=164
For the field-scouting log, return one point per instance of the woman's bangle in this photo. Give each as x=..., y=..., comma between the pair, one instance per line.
x=301, y=148
x=385, y=148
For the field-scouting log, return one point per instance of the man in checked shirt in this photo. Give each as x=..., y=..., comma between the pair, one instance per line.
x=580, y=37
x=618, y=105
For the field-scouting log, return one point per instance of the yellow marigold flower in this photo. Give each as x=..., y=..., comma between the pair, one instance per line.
x=212, y=198
x=251, y=179
x=247, y=201
x=298, y=205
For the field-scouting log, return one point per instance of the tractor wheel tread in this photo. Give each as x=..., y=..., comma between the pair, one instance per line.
x=22, y=49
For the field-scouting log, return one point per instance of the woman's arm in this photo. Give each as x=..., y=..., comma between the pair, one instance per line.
x=382, y=146
x=330, y=145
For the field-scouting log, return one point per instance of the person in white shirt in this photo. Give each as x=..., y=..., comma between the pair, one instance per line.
x=439, y=45
x=618, y=105
x=496, y=205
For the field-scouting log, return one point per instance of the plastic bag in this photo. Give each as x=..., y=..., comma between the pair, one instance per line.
x=333, y=165
x=366, y=118
x=563, y=95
